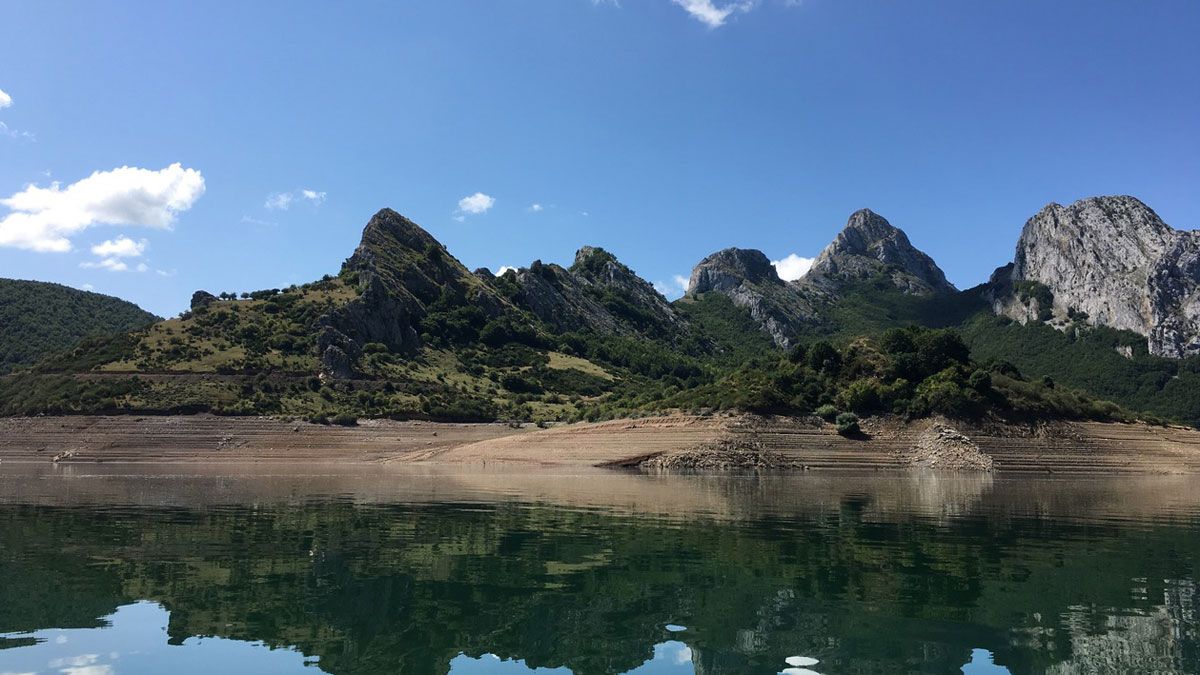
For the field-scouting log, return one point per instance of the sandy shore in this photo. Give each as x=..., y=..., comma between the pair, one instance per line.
x=804, y=444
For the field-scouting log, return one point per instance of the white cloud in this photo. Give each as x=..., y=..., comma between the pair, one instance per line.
x=792, y=267
x=166, y=273
x=708, y=13
x=110, y=264
x=536, y=207
x=44, y=219
x=505, y=268
x=673, y=289
x=279, y=201
x=121, y=247
x=143, y=267
x=282, y=201
x=17, y=134
x=476, y=204
x=257, y=221
x=317, y=198
x=5, y=99
x=88, y=287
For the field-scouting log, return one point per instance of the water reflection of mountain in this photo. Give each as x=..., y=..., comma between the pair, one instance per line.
x=867, y=577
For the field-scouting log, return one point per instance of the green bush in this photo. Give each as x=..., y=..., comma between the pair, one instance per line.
x=826, y=412
x=847, y=424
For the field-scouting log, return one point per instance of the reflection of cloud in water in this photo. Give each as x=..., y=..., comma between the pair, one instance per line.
x=100, y=669
x=490, y=663
x=669, y=657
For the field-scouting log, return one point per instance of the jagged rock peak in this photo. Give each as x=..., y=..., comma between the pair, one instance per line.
x=1113, y=260
x=729, y=268
x=869, y=240
x=388, y=228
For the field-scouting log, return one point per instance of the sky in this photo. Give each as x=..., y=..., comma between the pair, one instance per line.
x=150, y=149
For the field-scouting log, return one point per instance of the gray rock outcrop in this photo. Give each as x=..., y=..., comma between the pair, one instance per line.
x=1109, y=261
x=201, y=299
x=598, y=293
x=749, y=280
x=869, y=246
x=399, y=270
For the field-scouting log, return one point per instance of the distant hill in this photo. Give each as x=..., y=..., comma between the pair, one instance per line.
x=38, y=319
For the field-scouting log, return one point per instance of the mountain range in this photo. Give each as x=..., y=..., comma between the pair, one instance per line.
x=1101, y=295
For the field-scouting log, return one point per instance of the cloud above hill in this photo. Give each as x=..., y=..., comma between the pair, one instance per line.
x=45, y=219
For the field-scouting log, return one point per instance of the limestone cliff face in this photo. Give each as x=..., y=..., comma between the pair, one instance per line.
x=869, y=246
x=598, y=293
x=749, y=280
x=1114, y=259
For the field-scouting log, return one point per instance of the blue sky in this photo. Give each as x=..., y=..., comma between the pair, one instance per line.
x=660, y=129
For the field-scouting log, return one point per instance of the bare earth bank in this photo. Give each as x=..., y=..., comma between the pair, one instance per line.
x=679, y=441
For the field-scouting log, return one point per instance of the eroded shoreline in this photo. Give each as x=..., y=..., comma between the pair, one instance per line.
x=791, y=443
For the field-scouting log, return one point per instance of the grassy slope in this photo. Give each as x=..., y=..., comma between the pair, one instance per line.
x=42, y=318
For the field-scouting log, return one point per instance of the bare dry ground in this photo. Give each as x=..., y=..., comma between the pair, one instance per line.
x=793, y=443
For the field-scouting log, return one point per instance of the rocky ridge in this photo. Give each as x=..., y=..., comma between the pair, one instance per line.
x=597, y=293
x=869, y=247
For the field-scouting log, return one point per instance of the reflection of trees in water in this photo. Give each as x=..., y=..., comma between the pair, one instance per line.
x=859, y=584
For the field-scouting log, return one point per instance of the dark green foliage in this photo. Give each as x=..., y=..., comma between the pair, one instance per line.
x=722, y=332
x=38, y=319
x=30, y=394
x=911, y=371
x=1090, y=358
x=847, y=424
x=1035, y=290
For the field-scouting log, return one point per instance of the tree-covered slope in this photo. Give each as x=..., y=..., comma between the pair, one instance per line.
x=1108, y=363
x=38, y=318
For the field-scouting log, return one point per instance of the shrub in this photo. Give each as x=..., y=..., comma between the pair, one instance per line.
x=344, y=420
x=826, y=412
x=847, y=424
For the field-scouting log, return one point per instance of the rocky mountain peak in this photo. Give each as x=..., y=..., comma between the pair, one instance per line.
x=870, y=245
x=387, y=228
x=729, y=268
x=1110, y=261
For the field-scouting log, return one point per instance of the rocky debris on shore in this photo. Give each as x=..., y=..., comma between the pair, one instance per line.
x=722, y=455
x=943, y=447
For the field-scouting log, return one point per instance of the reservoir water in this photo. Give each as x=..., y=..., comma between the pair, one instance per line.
x=178, y=569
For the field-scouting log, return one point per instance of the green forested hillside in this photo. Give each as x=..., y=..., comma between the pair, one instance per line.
x=1111, y=364
x=37, y=319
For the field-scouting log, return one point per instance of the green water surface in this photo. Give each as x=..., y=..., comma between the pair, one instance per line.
x=166, y=571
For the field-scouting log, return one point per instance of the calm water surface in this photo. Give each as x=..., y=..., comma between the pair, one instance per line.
x=178, y=570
